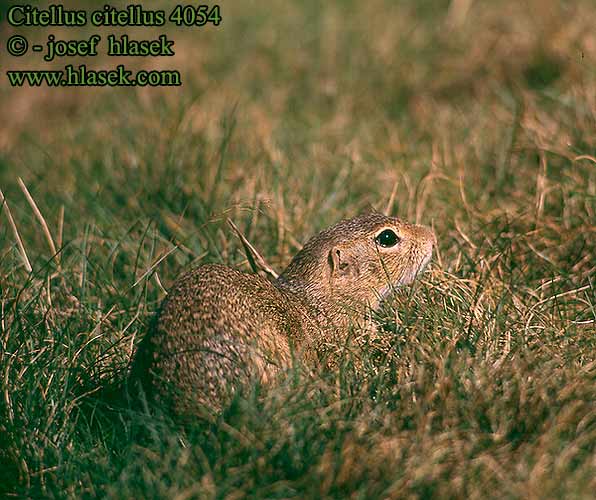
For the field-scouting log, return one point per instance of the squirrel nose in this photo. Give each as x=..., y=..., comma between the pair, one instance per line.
x=433, y=242
x=428, y=236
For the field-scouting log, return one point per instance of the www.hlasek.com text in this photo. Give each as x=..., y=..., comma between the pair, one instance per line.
x=85, y=77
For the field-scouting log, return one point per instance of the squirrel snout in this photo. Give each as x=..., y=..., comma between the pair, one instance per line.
x=428, y=237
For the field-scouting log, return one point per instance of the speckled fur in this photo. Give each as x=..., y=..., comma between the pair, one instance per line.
x=220, y=328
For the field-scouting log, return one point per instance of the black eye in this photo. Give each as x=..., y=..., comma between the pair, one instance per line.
x=387, y=238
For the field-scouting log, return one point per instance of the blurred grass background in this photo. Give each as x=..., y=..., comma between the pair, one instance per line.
x=479, y=117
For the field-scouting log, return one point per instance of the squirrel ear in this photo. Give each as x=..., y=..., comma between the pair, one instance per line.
x=341, y=264
x=334, y=260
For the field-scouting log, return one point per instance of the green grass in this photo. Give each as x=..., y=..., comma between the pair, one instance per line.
x=481, y=381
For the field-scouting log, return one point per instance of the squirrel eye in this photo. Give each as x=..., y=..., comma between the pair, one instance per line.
x=387, y=238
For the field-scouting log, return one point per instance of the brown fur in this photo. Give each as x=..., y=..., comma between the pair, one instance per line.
x=220, y=328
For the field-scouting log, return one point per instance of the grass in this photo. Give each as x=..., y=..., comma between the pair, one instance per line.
x=482, y=379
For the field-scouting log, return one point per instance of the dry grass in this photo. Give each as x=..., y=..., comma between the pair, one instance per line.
x=476, y=118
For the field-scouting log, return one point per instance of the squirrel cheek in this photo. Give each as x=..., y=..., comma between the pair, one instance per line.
x=373, y=268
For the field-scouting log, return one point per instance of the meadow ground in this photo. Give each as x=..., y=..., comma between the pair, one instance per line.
x=478, y=118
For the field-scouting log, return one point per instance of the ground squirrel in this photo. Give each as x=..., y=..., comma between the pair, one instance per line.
x=220, y=328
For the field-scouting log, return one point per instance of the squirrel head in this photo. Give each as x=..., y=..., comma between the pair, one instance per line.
x=360, y=260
